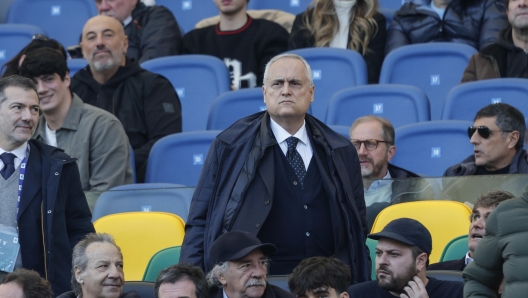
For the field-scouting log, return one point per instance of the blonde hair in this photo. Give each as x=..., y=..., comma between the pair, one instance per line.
x=324, y=23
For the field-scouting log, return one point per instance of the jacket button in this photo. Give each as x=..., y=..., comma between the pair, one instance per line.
x=257, y=225
x=56, y=173
x=266, y=203
x=294, y=182
x=49, y=211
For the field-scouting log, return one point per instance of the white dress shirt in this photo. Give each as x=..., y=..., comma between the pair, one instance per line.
x=303, y=146
x=19, y=152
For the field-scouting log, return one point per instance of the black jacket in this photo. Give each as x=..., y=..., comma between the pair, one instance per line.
x=467, y=167
x=152, y=33
x=472, y=22
x=457, y=265
x=270, y=292
x=146, y=104
x=300, y=37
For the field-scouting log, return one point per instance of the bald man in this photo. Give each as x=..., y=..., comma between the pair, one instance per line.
x=146, y=103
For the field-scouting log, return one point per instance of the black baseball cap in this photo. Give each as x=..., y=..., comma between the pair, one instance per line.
x=408, y=231
x=235, y=245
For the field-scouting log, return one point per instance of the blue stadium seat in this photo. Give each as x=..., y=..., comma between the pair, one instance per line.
x=291, y=6
x=429, y=148
x=132, y=161
x=146, y=197
x=14, y=37
x=333, y=70
x=341, y=129
x=392, y=4
x=76, y=64
x=433, y=67
x=388, y=13
x=179, y=158
x=464, y=101
x=400, y=104
x=189, y=12
x=198, y=80
x=63, y=20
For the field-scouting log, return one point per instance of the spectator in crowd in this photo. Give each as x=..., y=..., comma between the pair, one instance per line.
x=23, y=283
x=481, y=210
x=97, y=269
x=240, y=264
x=94, y=136
x=498, y=136
x=152, y=30
x=320, y=277
x=506, y=57
x=43, y=206
x=146, y=103
x=345, y=24
x=282, y=168
x=245, y=44
x=499, y=262
x=402, y=255
x=181, y=280
x=473, y=22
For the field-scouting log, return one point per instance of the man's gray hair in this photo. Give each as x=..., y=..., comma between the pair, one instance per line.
x=16, y=81
x=212, y=276
x=291, y=56
x=79, y=258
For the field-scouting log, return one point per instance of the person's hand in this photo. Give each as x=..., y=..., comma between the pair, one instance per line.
x=415, y=289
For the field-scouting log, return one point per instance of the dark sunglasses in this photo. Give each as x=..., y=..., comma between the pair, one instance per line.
x=483, y=131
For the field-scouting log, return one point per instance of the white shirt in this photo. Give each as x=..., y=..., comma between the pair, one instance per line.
x=127, y=21
x=342, y=8
x=51, y=136
x=303, y=147
x=468, y=258
x=19, y=152
x=439, y=11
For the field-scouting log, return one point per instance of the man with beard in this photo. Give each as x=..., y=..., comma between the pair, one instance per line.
x=240, y=265
x=402, y=255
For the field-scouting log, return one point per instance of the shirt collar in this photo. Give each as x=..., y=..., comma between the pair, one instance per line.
x=468, y=259
x=127, y=21
x=281, y=134
x=380, y=183
x=19, y=152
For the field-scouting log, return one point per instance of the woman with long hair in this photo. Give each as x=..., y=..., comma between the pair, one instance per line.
x=347, y=24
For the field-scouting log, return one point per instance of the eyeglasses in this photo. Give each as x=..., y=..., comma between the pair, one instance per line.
x=483, y=131
x=369, y=144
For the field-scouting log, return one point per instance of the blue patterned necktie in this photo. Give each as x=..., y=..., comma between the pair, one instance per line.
x=9, y=165
x=295, y=159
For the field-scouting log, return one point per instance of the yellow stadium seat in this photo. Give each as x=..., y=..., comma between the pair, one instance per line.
x=445, y=220
x=140, y=235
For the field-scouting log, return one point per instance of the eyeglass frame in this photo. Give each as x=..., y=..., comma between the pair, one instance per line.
x=472, y=129
x=363, y=143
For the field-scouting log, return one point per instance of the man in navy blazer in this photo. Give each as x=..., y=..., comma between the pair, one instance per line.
x=43, y=204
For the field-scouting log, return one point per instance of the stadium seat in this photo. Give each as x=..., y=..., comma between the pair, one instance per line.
x=14, y=37
x=63, y=20
x=400, y=104
x=392, y=4
x=444, y=220
x=76, y=64
x=132, y=161
x=332, y=70
x=140, y=235
x=291, y=6
x=144, y=289
x=464, y=100
x=179, y=158
x=455, y=249
x=161, y=260
x=447, y=275
x=341, y=129
x=189, y=12
x=144, y=197
x=280, y=281
x=429, y=148
x=434, y=67
x=198, y=80
x=388, y=13
x=371, y=244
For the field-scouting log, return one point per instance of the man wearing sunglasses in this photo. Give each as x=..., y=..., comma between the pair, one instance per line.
x=497, y=136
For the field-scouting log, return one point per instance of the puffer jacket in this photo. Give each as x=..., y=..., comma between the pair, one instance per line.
x=472, y=22
x=501, y=253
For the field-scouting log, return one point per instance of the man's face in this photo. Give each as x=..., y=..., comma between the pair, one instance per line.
x=230, y=7
x=104, y=275
x=477, y=228
x=184, y=288
x=53, y=92
x=518, y=13
x=373, y=163
x=492, y=152
x=246, y=277
x=323, y=292
x=19, y=115
x=395, y=266
x=104, y=43
x=11, y=290
x=118, y=9
x=287, y=91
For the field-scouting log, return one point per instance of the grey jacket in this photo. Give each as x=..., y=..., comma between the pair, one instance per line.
x=98, y=141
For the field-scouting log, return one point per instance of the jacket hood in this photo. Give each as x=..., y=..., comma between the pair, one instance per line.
x=505, y=39
x=130, y=69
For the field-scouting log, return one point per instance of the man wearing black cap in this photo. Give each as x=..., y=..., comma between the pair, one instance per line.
x=402, y=254
x=240, y=265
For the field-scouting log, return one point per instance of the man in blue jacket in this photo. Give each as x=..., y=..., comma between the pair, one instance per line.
x=284, y=177
x=44, y=212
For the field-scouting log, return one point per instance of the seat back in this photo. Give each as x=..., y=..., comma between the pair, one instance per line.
x=144, y=197
x=447, y=275
x=291, y=6
x=144, y=289
x=76, y=64
x=465, y=100
x=140, y=235
x=332, y=70
x=189, y=12
x=280, y=281
x=444, y=220
x=392, y=4
x=161, y=260
x=429, y=148
x=341, y=129
x=371, y=244
x=198, y=80
x=455, y=249
x=14, y=37
x=400, y=104
x=179, y=158
x=433, y=67
x=62, y=20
